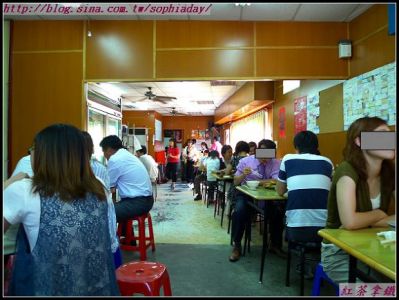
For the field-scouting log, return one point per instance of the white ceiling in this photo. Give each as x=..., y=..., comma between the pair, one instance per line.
x=197, y=98
x=324, y=12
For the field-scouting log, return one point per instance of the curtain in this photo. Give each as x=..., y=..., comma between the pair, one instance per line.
x=250, y=129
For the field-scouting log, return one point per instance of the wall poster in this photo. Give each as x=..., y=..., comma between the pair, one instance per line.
x=300, y=114
x=194, y=134
x=313, y=113
x=173, y=133
x=371, y=94
x=281, y=122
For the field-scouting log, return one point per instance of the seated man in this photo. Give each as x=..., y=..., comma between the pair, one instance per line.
x=307, y=177
x=265, y=170
x=149, y=163
x=127, y=174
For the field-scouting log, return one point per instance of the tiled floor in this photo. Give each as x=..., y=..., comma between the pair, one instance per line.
x=195, y=249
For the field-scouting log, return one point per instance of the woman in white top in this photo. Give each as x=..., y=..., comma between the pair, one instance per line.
x=64, y=247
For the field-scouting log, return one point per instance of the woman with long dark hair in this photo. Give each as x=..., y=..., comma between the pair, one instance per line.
x=361, y=195
x=64, y=246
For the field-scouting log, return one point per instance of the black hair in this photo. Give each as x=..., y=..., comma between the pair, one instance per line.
x=214, y=154
x=143, y=149
x=306, y=142
x=206, y=151
x=251, y=144
x=242, y=146
x=111, y=141
x=193, y=141
x=226, y=148
x=61, y=164
x=174, y=142
x=216, y=138
x=267, y=144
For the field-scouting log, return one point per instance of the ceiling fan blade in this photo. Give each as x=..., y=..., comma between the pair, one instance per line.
x=131, y=98
x=164, y=100
x=166, y=97
x=128, y=106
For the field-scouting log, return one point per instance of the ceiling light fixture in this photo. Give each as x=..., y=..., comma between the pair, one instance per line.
x=88, y=28
x=243, y=4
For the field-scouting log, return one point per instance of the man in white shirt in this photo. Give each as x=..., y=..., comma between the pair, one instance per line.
x=127, y=174
x=9, y=239
x=24, y=165
x=149, y=163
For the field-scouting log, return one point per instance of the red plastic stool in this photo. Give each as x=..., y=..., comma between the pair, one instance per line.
x=143, y=277
x=143, y=241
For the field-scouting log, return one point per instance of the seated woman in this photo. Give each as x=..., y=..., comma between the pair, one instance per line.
x=64, y=247
x=212, y=165
x=361, y=195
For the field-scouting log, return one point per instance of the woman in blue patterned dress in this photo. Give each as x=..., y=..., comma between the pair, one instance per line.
x=64, y=245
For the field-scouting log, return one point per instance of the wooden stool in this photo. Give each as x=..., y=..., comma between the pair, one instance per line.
x=143, y=241
x=143, y=277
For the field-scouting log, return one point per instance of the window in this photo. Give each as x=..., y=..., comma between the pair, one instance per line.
x=252, y=128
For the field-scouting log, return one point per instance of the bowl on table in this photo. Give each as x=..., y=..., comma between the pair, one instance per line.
x=252, y=184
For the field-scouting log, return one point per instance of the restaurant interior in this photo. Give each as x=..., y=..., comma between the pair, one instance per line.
x=243, y=72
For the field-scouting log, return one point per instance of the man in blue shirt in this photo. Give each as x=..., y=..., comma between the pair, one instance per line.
x=128, y=175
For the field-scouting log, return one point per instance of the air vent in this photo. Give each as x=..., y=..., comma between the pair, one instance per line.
x=137, y=131
x=204, y=102
x=223, y=83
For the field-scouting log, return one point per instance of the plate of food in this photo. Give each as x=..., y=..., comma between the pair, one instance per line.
x=270, y=184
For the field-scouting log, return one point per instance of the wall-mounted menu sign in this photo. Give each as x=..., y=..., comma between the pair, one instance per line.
x=371, y=94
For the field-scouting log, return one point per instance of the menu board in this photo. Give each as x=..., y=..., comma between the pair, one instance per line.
x=313, y=113
x=371, y=94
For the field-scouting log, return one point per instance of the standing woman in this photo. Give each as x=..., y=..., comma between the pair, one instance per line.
x=173, y=158
x=64, y=245
x=361, y=195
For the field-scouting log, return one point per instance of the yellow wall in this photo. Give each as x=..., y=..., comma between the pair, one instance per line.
x=46, y=80
x=372, y=48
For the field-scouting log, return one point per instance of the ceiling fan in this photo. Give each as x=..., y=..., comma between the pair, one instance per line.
x=149, y=95
x=174, y=112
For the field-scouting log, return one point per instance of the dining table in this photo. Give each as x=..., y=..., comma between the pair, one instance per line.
x=266, y=195
x=366, y=246
x=221, y=193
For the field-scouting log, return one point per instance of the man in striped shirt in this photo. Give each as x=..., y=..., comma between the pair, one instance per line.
x=307, y=177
